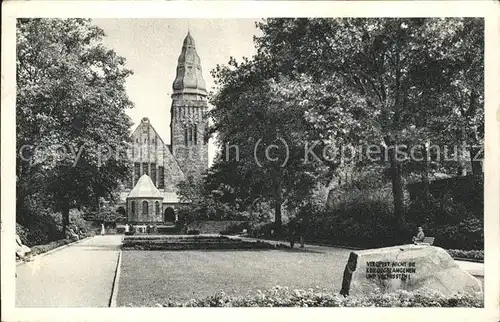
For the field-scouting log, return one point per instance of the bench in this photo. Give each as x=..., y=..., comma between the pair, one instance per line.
x=427, y=241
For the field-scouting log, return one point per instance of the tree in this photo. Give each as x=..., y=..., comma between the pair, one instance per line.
x=72, y=129
x=399, y=69
x=268, y=158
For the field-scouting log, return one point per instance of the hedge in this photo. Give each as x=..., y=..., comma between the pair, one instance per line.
x=284, y=297
x=45, y=227
x=467, y=254
x=196, y=244
x=371, y=224
x=39, y=249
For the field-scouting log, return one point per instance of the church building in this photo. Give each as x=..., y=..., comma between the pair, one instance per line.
x=149, y=195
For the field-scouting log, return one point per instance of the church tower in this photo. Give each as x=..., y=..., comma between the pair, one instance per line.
x=189, y=105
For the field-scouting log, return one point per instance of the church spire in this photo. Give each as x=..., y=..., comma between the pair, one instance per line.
x=189, y=80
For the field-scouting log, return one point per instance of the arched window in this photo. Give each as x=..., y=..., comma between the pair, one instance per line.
x=132, y=205
x=144, y=207
x=157, y=208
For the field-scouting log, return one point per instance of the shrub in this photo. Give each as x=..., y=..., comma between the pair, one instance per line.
x=238, y=228
x=45, y=227
x=193, y=232
x=283, y=297
x=467, y=254
x=455, y=223
x=39, y=229
x=22, y=233
x=263, y=230
x=168, y=230
x=39, y=249
x=367, y=221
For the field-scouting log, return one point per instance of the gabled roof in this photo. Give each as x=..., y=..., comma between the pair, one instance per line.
x=146, y=123
x=145, y=189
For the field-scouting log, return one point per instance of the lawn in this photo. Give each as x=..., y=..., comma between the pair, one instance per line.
x=150, y=277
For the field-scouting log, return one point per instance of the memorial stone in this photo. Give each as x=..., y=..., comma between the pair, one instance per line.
x=405, y=267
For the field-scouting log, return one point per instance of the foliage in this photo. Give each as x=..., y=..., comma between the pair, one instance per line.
x=39, y=229
x=248, y=91
x=365, y=220
x=284, y=297
x=394, y=76
x=70, y=116
x=205, y=203
x=452, y=223
x=43, y=248
x=46, y=227
x=237, y=228
x=169, y=230
x=22, y=233
x=40, y=249
x=264, y=230
x=363, y=223
x=467, y=254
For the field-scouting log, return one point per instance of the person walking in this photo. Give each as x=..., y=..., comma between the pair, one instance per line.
x=102, y=229
x=301, y=228
x=291, y=233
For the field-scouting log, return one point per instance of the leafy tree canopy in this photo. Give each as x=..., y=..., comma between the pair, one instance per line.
x=70, y=114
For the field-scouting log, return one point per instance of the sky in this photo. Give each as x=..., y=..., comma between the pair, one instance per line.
x=151, y=48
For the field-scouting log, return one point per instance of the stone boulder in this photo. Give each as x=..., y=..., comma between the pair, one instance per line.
x=405, y=267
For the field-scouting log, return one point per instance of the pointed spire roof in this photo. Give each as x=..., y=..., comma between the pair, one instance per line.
x=189, y=41
x=189, y=78
x=145, y=189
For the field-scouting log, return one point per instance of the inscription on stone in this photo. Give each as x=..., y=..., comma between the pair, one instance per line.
x=390, y=270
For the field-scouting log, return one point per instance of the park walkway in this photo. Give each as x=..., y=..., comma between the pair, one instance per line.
x=80, y=275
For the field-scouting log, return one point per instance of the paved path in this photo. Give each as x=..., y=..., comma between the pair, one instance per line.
x=80, y=275
x=475, y=269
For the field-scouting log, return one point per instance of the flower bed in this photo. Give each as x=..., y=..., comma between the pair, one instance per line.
x=193, y=242
x=172, y=237
x=283, y=297
x=477, y=255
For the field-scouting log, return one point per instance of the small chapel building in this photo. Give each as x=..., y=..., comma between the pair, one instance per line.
x=149, y=195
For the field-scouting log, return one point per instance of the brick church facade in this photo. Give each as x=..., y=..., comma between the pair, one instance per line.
x=149, y=195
